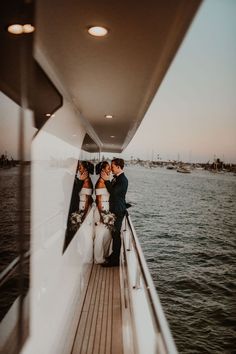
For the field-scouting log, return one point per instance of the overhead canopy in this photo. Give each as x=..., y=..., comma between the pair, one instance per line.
x=21, y=77
x=120, y=73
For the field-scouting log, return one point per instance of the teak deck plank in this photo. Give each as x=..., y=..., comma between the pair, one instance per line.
x=109, y=314
x=116, y=315
x=99, y=329
x=78, y=342
x=104, y=317
x=91, y=312
x=95, y=315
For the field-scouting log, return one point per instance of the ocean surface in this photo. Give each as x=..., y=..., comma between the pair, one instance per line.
x=9, y=219
x=186, y=224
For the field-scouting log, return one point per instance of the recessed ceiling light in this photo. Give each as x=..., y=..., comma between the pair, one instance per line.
x=108, y=116
x=19, y=29
x=48, y=115
x=28, y=28
x=15, y=29
x=112, y=136
x=97, y=31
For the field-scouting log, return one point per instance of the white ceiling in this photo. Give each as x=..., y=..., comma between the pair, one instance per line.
x=118, y=74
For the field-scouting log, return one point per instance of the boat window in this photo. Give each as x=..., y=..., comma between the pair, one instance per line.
x=27, y=99
x=15, y=219
x=16, y=122
x=82, y=196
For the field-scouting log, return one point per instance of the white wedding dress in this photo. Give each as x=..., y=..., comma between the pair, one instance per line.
x=85, y=233
x=102, y=240
x=83, y=196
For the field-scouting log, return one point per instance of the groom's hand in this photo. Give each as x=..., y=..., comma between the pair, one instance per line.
x=83, y=176
x=105, y=176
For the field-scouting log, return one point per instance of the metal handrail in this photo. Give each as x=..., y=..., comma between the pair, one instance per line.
x=5, y=273
x=158, y=315
x=11, y=267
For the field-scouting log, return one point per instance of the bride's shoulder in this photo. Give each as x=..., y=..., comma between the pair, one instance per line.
x=87, y=183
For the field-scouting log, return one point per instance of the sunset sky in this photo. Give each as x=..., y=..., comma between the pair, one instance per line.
x=193, y=115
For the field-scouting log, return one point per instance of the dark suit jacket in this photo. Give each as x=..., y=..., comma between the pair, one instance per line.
x=117, y=194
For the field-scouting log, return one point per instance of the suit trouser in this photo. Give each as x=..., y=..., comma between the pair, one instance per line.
x=116, y=235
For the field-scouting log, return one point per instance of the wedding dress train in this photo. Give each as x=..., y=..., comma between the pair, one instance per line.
x=85, y=232
x=102, y=240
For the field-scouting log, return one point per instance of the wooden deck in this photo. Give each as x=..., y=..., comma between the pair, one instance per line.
x=99, y=329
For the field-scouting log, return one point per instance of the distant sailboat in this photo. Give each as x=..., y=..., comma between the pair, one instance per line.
x=170, y=167
x=183, y=169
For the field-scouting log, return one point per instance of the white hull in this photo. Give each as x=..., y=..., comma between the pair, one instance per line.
x=56, y=281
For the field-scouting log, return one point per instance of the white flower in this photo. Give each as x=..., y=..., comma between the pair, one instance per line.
x=76, y=220
x=108, y=219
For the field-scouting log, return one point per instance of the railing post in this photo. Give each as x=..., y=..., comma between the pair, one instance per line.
x=129, y=243
x=137, y=279
x=127, y=234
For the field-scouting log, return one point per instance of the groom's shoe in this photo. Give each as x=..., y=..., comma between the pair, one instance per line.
x=109, y=258
x=111, y=263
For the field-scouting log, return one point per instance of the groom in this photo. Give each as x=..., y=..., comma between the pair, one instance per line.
x=117, y=189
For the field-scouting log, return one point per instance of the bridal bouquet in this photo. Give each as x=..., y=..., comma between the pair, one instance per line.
x=108, y=219
x=76, y=220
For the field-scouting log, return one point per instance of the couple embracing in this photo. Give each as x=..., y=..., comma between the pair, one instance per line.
x=110, y=201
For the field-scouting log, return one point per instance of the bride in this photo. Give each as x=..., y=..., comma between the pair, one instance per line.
x=85, y=225
x=81, y=200
x=102, y=241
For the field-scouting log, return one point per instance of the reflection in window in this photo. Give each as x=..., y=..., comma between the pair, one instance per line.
x=82, y=191
x=15, y=217
x=81, y=199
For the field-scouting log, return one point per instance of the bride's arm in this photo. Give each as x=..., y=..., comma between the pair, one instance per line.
x=108, y=186
x=107, y=182
x=99, y=202
x=100, y=184
x=88, y=196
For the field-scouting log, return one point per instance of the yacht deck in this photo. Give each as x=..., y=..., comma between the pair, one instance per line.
x=99, y=328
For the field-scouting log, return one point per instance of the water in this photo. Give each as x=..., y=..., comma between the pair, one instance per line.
x=186, y=225
x=9, y=215
x=9, y=179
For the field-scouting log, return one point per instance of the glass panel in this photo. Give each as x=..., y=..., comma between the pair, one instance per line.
x=23, y=86
x=82, y=191
x=15, y=219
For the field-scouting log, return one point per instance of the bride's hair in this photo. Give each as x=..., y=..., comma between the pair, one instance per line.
x=101, y=165
x=88, y=166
